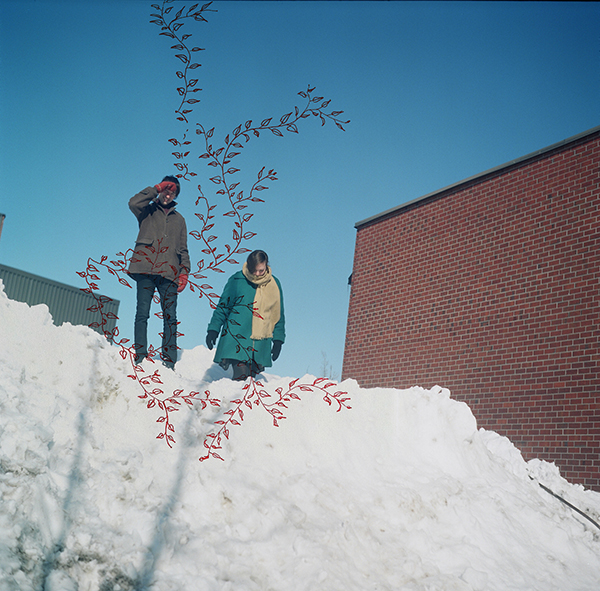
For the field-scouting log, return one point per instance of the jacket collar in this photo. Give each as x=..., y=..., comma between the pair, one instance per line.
x=169, y=209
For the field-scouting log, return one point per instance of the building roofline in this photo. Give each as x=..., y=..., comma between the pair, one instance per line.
x=390, y=212
x=47, y=281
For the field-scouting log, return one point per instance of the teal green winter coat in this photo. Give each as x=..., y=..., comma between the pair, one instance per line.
x=233, y=319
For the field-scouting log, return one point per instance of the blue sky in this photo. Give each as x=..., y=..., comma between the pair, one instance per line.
x=435, y=92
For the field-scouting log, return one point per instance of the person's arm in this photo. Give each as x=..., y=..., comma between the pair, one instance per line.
x=140, y=201
x=223, y=309
x=182, y=251
x=279, y=328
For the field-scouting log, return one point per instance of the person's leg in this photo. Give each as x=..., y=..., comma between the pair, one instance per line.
x=168, y=300
x=241, y=371
x=255, y=368
x=244, y=369
x=145, y=291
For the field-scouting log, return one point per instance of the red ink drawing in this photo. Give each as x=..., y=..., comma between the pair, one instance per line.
x=237, y=201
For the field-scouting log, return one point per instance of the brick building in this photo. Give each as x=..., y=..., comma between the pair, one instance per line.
x=490, y=287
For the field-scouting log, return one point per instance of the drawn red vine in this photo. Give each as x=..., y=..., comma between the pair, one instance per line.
x=229, y=192
x=255, y=394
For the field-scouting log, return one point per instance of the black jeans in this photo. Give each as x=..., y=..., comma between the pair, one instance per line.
x=167, y=290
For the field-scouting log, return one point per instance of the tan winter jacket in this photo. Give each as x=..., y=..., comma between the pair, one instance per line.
x=161, y=245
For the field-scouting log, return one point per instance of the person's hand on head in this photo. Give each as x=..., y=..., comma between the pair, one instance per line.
x=166, y=186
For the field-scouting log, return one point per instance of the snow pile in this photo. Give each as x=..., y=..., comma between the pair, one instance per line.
x=400, y=492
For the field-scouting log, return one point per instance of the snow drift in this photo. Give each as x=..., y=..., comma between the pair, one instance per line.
x=400, y=492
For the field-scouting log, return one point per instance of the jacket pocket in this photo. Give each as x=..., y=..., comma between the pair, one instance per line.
x=144, y=241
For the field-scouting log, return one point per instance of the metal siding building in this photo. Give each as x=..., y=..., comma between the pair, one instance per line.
x=66, y=303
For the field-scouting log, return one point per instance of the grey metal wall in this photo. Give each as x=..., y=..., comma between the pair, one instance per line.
x=66, y=303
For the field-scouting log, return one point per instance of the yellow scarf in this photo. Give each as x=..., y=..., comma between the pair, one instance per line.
x=267, y=306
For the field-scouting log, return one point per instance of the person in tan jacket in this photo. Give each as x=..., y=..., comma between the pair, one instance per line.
x=160, y=262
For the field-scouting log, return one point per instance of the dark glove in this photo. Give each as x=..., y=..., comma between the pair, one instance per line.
x=276, y=350
x=182, y=282
x=211, y=338
x=166, y=186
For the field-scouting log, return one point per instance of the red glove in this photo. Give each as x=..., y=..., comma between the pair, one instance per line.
x=166, y=186
x=182, y=282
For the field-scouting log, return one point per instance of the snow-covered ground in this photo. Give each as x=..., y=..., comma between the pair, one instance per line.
x=399, y=492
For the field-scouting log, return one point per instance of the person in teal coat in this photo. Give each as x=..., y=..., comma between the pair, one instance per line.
x=250, y=318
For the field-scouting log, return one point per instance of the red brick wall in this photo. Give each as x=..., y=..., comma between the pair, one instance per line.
x=491, y=289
